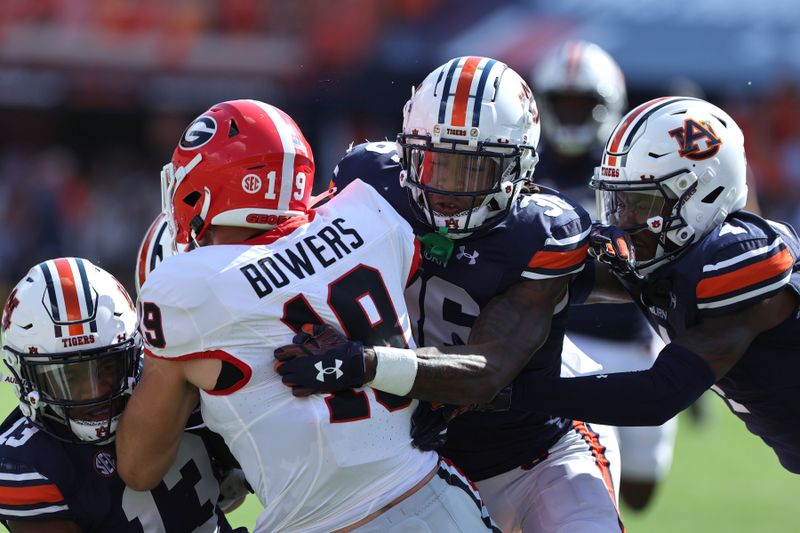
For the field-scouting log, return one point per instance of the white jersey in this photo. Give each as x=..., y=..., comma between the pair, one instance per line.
x=317, y=463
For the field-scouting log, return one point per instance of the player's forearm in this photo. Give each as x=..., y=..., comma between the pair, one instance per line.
x=459, y=375
x=645, y=398
x=145, y=449
x=150, y=431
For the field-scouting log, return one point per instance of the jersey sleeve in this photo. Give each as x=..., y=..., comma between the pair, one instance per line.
x=176, y=311
x=27, y=494
x=743, y=272
x=564, y=241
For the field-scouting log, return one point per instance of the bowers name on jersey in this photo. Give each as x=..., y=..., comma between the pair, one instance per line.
x=327, y=246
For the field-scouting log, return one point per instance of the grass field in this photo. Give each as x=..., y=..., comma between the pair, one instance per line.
x=723, y=479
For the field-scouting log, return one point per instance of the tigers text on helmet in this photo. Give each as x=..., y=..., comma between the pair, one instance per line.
x=70, y=341
x=581, y=92
x=674, y=166
x=155, y=247
x=468, y=143
x=242, y=163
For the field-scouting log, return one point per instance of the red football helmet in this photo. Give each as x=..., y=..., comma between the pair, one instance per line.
x=242, y=163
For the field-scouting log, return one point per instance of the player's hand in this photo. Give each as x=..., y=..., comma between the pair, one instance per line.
x=233, y=488
x=429, y=421
x=320, y=360
x=429, y=425
x=612, y=246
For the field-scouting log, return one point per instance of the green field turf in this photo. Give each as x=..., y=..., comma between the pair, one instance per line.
x=723, y=479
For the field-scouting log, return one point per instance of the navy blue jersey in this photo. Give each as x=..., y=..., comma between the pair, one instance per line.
x=545, y=235
x=744, y=260
x=42, y=478
x=616, y=322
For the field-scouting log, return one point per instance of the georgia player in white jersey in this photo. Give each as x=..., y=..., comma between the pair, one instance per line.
x=239, y=185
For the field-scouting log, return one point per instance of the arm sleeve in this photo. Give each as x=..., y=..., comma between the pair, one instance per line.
x=645, y=398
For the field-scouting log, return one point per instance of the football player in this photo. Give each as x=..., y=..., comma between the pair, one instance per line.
x=581, y=94
x=70, y=342
x=238, y=187
x=719, y=284
x=491, y=303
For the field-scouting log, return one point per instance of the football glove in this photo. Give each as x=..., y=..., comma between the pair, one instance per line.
x=320, y=360
x=233, y=487
x=612, y=246
x=429, y=421
x=429, y=425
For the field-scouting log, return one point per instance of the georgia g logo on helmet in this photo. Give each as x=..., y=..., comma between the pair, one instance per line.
x=693, y=131
x=198, y=133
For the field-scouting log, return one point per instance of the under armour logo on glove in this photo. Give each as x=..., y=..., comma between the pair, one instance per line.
x=330, y=370
x=320, y=360
x=612, y=246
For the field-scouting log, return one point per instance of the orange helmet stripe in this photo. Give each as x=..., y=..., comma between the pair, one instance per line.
x=69, y=291
x=463, y=89
x=622, y=128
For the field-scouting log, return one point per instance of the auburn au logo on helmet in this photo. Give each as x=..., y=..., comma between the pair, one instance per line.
x=693, y=131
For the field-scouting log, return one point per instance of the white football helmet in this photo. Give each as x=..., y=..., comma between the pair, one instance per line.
x=155, y=247
x=469, y=140
x=70, y=341
x=674, y=166
x=581, y=92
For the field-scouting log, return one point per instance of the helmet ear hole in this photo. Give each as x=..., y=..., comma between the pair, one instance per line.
x=233, y=131
x=713, y=195
x=192, y=198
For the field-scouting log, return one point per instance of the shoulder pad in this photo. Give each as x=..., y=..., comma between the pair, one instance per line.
x=742, y=261
x=376, y=163
x=560, y=234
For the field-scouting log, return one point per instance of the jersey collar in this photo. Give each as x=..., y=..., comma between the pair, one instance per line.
x=281, y=230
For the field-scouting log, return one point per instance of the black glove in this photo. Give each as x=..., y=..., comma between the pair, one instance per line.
x=429, y=425
x=429, y=421
x=320, y=360
x=612, y=246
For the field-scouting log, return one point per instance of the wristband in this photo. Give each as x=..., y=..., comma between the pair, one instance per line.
x=395, y=371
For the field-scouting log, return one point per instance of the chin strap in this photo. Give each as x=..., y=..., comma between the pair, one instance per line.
x=198, y=221
x=316, y=201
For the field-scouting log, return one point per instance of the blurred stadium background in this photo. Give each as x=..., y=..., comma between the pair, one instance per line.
x=95, y=93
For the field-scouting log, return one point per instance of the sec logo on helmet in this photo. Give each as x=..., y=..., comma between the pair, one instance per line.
x=198, y=133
